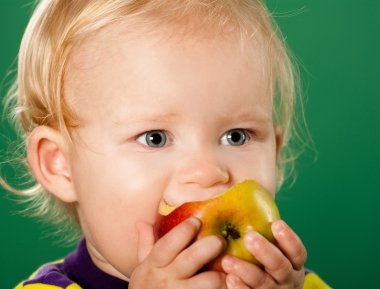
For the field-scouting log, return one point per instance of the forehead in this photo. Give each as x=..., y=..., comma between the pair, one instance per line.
x=119, y=61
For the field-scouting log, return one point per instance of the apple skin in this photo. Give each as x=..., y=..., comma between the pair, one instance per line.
x=245, y=207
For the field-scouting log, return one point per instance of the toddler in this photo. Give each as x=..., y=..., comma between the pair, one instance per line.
x=126, y=104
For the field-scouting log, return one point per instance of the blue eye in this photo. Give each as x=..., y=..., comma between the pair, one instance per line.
x=154, y=138
x=235, y=137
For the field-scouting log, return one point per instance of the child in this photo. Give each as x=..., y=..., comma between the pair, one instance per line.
x=126, y=104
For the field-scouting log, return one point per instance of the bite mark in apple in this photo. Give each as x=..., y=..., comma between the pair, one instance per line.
x=245, y=207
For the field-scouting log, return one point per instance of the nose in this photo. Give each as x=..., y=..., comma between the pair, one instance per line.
x=202, y=169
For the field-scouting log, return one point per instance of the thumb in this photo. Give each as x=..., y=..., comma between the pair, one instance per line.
x=146, y=240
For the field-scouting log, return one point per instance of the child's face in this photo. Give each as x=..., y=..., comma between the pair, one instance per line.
x=173, y=119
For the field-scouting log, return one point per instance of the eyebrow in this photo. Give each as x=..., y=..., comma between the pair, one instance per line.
x=148, y=118
x=251, y=115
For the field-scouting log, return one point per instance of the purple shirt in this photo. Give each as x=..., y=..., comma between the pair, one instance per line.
x=77, y=268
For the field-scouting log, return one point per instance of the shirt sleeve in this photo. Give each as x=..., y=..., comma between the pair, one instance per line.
x=312, y=281
x=49, y=276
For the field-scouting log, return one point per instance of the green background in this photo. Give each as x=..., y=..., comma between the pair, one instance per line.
x=335, y=203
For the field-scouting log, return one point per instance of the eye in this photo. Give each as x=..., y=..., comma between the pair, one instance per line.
x=154, y=138
x=235, y=137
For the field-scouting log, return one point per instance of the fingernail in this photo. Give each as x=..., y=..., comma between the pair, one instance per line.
x=278, y=227
x=222, y=241
x=251, y=239
x=228, y=263
x=195, y=221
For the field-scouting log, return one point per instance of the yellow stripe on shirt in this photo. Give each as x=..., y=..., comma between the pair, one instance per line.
x=312, y=281
x=50, y=263
x=37, y=286
x=46, y=286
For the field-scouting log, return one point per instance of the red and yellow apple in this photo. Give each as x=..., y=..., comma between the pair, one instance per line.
x=245, y=207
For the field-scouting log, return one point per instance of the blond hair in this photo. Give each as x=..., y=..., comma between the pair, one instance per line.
x=58, y=25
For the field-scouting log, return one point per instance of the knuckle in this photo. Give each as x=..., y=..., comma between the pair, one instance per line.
x=282, y=266
x=301, y=256
x=138, y=276
x=262, y=281
x=162, y=283
x=192, y=256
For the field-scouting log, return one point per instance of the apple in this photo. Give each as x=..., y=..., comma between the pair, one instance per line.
x=245, y=207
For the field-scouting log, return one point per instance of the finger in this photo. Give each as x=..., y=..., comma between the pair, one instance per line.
x=275, y=262
x=241, y=271
x=198, y=255
x=290, y=244
x=145, y=240
x=234, y=282
x=176, y=240
x=207, y=280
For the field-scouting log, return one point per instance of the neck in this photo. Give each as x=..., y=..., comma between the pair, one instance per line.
x=102, y=262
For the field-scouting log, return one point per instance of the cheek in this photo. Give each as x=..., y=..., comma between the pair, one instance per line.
x=113, y=195
x=118, y=189
x=117, y=179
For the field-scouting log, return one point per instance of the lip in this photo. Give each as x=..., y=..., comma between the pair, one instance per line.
x=165, y=209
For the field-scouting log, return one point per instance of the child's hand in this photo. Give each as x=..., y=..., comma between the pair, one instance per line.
x=282, y=268
x=173, y=262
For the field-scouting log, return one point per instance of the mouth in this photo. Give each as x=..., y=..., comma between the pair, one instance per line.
x=165, y=209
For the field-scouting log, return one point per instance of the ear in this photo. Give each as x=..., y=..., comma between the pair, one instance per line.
x=47, y=157
x=278, y=138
